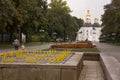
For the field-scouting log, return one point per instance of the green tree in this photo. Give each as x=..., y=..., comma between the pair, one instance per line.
x=60, y=20
x=32, y=16
x=27, y=16
x=7, y=12
x=110, y=21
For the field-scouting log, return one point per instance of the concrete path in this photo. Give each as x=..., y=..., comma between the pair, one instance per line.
x=92, y=71
x=30, y=48
x=108, y=49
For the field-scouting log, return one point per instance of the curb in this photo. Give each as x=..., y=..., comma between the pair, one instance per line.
x=111, y=67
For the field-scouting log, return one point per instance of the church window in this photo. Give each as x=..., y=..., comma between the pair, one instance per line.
x=87, y=33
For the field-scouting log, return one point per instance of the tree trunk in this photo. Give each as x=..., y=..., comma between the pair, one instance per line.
x=2, y=37
x=11, y=37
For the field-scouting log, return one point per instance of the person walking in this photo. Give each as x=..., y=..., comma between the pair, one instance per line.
x=16, y=44
x=23, y=46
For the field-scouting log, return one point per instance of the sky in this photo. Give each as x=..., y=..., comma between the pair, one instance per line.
x=80, y=7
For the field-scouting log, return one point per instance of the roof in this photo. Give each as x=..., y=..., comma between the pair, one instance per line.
x=96, y=25
x=87, y=25
x=91, y=25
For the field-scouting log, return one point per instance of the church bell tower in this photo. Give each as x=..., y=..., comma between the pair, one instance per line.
x=88, y=19
x=96, y=20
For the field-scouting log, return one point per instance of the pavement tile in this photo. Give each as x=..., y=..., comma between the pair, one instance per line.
x=91, y=71
x=91, y=75
x=100, y=75
x=101, y=78
x=90, y=78
x=82, y=77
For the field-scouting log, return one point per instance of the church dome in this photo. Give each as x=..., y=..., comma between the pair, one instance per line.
x=96, y=24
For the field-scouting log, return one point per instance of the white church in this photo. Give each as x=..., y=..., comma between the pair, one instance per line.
x=89, y=31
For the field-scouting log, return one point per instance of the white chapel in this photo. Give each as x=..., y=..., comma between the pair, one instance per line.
x=89, y=31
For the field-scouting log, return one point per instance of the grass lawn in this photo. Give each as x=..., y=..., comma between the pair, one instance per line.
x=6, y=45
x=78, y=50
x=34, y=43
x=87, y=50
x=9, y=45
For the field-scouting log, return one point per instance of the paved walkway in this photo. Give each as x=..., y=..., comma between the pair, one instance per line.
x=30, y=48
x=108, y=49
x=91, y=71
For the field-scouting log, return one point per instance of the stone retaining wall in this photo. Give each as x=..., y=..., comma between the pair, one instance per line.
x=91, y=56
x=33, y=71
x=111, y=67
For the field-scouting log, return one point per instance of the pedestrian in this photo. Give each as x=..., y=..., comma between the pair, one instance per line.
x=22, y=46
x=16, y=44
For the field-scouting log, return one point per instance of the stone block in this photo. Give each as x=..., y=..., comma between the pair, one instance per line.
x=111, y=67
x=70, y=70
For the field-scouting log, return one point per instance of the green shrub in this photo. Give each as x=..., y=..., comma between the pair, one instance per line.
x=35, y=38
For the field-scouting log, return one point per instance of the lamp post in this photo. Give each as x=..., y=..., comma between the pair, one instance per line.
x=54, y=35
x=41, y=30
x=19, y=32
x=67, y=38
x=41, y=34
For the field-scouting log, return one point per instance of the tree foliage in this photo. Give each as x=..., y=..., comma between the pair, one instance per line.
x=60, y=20
x=28, y=16
x=111, y=20
x=31, y=16
x=7, y=12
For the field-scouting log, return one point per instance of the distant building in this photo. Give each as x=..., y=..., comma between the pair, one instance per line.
x=89, y=31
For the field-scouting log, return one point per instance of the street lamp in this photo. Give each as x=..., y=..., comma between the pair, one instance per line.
x=41, y=34
x=19, y=32
x=41, y=30
x=67, y=38
x=54, y=35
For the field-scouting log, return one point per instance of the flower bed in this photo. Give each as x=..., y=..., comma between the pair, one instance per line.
x=36, y=56
x=73, y=45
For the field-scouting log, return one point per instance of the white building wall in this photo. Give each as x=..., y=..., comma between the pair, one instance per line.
x=87, y=33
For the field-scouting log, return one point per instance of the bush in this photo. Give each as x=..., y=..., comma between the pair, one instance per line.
x=35, y=38
x=74, y=45
x=45, y=37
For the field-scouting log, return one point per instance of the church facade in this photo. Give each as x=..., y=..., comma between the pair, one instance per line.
x=89, y=31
